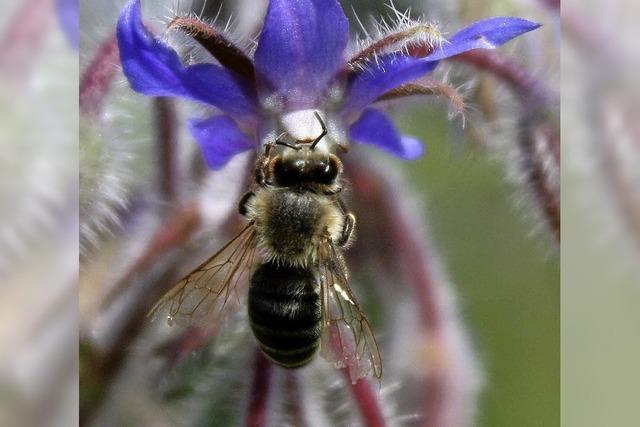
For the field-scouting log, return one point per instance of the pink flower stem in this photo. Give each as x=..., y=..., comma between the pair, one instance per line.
x=294, y=399
x=260, y=390
x=367, y=401
x=540, y=148
x=166, y=133
x=177, y=228
x=362, y=391
x=540, y=141
x=403, y=236
x=508, y=71
x=100, y=365
x=96, y=79
x=380, y=197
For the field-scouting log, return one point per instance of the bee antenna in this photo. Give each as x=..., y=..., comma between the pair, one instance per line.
x=286, y=144
x=324, y=130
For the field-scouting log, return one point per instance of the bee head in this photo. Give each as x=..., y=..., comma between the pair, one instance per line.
x=305, y=166
x=305, y=162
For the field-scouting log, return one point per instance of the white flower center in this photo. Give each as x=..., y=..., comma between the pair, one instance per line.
x=303, y=125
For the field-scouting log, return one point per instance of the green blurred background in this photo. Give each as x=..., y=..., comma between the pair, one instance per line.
x=506, y=276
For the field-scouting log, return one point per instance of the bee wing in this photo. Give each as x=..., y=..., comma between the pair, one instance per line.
x=202, y=296
x=347, y=340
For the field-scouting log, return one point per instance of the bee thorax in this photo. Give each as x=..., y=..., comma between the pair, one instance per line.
x=291, y=224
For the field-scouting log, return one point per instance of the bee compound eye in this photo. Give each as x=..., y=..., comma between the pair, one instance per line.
x=326, y=171
x=286, y=173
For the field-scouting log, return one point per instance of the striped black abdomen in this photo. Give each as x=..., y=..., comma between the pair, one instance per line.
x=284, y=309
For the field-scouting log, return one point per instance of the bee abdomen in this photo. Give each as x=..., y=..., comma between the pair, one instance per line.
x=284, y=309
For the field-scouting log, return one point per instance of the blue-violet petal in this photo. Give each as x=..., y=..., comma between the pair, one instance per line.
x=301, y=48
x=153, y=68
x=220, y=139
x=392, y=70
x=488, y=33
x=376, y=128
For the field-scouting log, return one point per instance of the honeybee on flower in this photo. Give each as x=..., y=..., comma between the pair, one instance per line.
x=299, y=101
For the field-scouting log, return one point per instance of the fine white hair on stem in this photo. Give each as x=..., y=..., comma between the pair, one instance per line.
x=230, y=28
x=460, y=101
x=359, y=21
x=397, y=33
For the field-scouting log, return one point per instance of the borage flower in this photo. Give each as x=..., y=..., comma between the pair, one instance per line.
x=300, y=67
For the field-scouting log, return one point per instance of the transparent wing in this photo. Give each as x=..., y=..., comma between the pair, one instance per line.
x=203, y=295
x=347, y=340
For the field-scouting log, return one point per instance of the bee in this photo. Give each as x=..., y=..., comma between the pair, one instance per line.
x=299, y=299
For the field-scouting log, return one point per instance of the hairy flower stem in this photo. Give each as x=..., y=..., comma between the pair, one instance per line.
x=539, y=143
x=404, y=237
x=420, y=271
x=23, y=36
x=177, y=348
x=140, y=288
x=96, y=79
x=229, y=55
x=427, y=86
x=166, y=128
x=294, y=399
x=509, y=72
x=446, y=402
x=260, y=391
x=178, y=226
x=367, y=401
x=100, y=367
x=540, y=159
x=428, y=38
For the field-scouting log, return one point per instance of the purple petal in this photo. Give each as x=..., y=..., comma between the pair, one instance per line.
x=153, y=68
x=486, y=34
x=216, y=86
x=220, y=139
x=376, y=128
x=388, y=72
x=301, y=49
x=68, y=12
x=392, y=70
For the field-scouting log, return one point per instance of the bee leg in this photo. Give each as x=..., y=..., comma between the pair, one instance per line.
x=262, y=166
x=244, y=201
x=333, y=191
x=347, y=229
